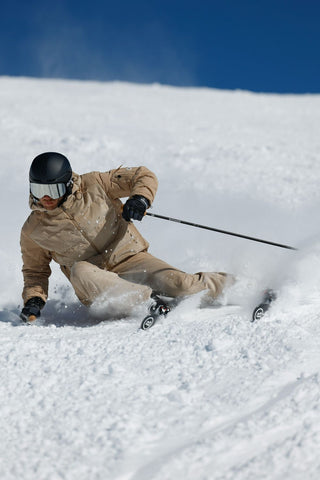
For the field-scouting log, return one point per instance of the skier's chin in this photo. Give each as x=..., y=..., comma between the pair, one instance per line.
x=49, y=203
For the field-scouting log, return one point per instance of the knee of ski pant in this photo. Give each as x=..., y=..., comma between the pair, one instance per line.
x=82, y=280
x=79, y=270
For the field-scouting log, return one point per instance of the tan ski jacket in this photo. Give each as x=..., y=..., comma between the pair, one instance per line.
x=87, y=226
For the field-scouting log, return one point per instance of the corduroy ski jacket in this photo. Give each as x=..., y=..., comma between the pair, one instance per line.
x=87, y=226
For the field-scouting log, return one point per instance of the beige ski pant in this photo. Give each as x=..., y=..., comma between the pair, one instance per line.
x=137, y=277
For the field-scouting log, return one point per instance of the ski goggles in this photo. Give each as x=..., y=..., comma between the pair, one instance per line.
x=52, y=190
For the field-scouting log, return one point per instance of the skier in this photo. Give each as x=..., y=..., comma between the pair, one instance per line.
x=80, y=222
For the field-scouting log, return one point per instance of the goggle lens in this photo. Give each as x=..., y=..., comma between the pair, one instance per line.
x=52, y=190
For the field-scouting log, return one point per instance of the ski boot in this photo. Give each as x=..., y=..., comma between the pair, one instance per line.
x=157, y=308
x=268, y=297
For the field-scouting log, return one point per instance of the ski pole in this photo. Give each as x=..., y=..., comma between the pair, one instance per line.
x=170, y=219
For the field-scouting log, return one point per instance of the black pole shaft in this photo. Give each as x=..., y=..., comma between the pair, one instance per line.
x=170, y=219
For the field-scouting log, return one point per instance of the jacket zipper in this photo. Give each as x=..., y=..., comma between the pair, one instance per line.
x=81, y=230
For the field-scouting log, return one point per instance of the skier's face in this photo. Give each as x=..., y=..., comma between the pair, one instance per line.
x=49, y=203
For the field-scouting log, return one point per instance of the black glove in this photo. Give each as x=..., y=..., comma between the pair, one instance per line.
x=135, y=207
x=32, y=308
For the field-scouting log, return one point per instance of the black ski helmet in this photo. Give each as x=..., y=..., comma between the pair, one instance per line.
x=50, y=167
x=50, y=174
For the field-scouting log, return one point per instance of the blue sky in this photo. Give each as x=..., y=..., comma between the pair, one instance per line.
x=267, y=46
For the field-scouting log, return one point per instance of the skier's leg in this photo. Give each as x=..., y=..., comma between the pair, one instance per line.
x=91, y=282
x=164, y=279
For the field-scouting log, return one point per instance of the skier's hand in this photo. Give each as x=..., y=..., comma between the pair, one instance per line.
x=31, y=310
x=135, y=208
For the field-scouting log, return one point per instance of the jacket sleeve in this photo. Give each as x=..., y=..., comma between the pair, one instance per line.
x=126, y=182
x=36, y=270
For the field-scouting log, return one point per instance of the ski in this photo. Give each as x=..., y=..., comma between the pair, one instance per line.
x=268, y=297
x=157, y=309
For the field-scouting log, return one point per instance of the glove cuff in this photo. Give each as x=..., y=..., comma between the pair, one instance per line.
x=143, y=200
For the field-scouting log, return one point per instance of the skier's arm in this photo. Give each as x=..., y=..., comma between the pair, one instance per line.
x=130, y=182
x=36, y=269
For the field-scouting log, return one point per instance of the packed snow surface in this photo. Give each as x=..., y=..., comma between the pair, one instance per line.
x=205, y=394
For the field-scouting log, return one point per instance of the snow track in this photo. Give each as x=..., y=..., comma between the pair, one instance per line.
x=205, y=394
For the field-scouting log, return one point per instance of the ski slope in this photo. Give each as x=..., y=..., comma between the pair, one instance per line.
x=204, y=394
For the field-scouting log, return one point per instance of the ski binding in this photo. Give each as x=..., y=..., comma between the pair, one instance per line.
x=158, y=309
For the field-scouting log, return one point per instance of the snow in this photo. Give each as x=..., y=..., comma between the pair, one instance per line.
x=205, y=394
